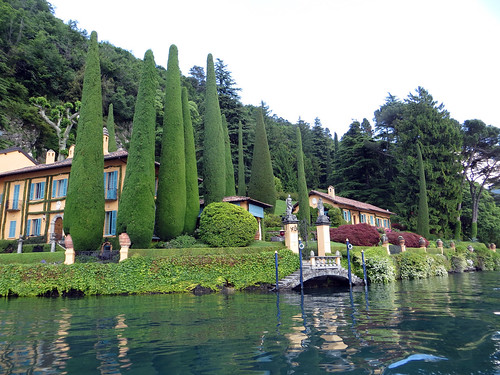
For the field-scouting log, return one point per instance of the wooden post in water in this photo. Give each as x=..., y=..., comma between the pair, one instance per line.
x=276, y=267
x=349, y=247
x=364, y=266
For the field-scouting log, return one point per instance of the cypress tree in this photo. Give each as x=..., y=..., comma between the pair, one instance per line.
x=110, y=125
x=242, y=187
x=214, y=168
x=261, y=184
x=171, y=196
x=304, y=209
x=136, y=213
x=192, y=193
x=423, y=207
x=230, y=184
x=84, y=209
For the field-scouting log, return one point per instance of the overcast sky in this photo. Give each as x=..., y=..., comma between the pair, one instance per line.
x=332, y=59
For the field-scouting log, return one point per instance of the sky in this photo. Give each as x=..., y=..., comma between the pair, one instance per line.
x=336, y=60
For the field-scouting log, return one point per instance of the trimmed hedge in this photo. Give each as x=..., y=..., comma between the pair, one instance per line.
x=146, y=275
x=358, y=234
x=225, y=224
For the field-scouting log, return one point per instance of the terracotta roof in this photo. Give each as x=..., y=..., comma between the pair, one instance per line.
x=60, y=164
x=18, y=149
x=237, y=198
x=350, y=202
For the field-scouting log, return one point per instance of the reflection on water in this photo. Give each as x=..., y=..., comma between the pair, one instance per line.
x=440, y=326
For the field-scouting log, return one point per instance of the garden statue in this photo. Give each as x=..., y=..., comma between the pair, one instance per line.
x=322, y=218
x=321, y=207
x=288, y=215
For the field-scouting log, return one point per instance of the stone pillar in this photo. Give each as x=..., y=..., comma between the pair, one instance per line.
x=323, y=231
x=338, y=256
x=439, y=245
x=70, y=251
x=52, y=242
x=124, y=246
x=292, y=236
x=313, y=259
x=385, y=243
x=402, y=243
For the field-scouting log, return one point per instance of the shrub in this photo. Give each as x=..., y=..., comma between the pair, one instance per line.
x=411, y=239
x=182, y=241
x=380, y=269
x=358, y=234
x=7, y=246
x=225, y=224
x=272, y=220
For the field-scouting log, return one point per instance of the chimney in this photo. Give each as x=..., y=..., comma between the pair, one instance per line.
x=331, y=191
x=50, y=157
x=105, y=140
x=71, y=152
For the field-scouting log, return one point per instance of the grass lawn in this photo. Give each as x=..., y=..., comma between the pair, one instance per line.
x=31, y=258
x=280, y=207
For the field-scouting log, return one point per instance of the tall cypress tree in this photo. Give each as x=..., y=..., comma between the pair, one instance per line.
x=304, y=211
x=423, y=207
x=84, y=209
x=110, y=125
x=136, y=213
x=261, y=185
x=171, y=197
x=230, y=184
x=214, y=168
x=242, y=187
x=192, y=193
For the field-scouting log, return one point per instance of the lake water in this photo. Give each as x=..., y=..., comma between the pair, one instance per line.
x=435, y=326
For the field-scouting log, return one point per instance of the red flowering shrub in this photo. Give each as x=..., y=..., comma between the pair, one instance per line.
x=411, y=239
x=358, y=234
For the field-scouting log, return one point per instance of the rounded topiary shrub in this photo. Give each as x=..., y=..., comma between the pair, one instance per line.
x=411, y=239
x=358, y=234
x=227, y=225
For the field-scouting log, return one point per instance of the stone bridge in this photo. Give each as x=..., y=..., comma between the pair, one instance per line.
x=311, y=271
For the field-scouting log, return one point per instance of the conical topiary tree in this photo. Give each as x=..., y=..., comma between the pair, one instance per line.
x=110, y=125
x=230, y=184
x=84, y=209
x=242, y=187
x=192, y=192
x=261, y=185
x=423, y=207
x=171, y=196
x=136, y=213
x=214, y=166
x=304, y=210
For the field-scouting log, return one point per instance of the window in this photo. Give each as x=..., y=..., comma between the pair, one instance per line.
x=15, y=198
x=110, y=223
x=110, y=184
x=377, y=220
x=362, y=218
x=33, y=227
x=12, y=229
x=37, y=190
x=347, y=216
x=386, y=223
x=371, y=220
x=59, y=188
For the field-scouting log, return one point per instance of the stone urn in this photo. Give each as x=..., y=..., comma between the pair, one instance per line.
x=385, y=239
x=124, y=240
x=401, y=240
x=493, y=247
x=68, y=242
x=439, y=243
x=470, y=248
x=452, y=245
x=421, y=242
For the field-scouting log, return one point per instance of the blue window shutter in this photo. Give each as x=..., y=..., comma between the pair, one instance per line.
x=28, y=227
x=113, y=223
x=15, y=200
x=54, y=188
x=115, y=183
x=37, y=225
x=32, y=190
x=42, y=190
x=105, y=186
x=12, y=229
x=65, y=186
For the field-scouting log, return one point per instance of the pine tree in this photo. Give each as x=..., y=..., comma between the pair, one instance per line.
x=214, y=167
x=84, y=209
x=304, y=210
x=110, y=125
x=242, y=187
x=261, y=184
x=230, y=184
x=136, y=213
x=192, y=193
x=171, y=196
x=423, y=208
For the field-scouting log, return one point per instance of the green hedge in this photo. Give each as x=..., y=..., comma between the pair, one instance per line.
x=146, y=274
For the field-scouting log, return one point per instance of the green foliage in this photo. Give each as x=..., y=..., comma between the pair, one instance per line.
x=423, y=207
x=230, y=184
x=182, y=241
x=261, y=184
x=242, y=187
x=45, y=257
x=214, y=172
x=225, y=224
x=380, y=269
x=272, y=220
x=304, y=209
x=84, y=209
x=414, y=265
x=192, y=192
x=136, y=213
x=171, y=196
x=146, y=275
x=110, y=125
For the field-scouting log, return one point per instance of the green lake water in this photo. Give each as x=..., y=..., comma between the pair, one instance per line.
x=435, y=326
